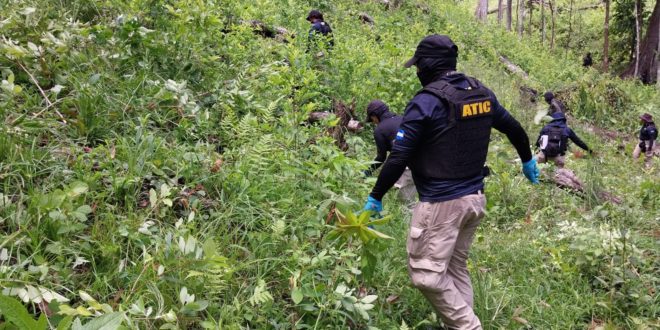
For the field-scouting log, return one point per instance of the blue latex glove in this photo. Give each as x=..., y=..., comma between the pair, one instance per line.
x=531, y=171
x=373, y=205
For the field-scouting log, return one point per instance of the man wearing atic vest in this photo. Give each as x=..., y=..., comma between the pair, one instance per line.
x=553, y=141
x=384, y=134
x=444, y=138
x=647, y=136
x=555, y=104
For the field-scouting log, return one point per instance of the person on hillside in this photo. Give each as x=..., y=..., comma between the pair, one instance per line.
x=319, y=28
x=443, y=138
x=387, y=125
x=553, y=141
x=587, y=61
x=647, y=136
x=555, y=104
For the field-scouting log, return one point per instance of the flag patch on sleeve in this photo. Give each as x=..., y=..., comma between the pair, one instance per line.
x=400, y=134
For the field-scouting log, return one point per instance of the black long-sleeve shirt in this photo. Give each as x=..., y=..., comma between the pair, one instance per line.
x=384, y=136
x=425, y=111
x=568, y=132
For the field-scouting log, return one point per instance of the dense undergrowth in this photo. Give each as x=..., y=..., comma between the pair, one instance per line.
x=155, y=171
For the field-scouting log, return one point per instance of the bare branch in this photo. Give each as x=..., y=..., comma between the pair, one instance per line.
x=36, y=83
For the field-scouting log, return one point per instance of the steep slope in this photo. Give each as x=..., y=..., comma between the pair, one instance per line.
x=151, y=152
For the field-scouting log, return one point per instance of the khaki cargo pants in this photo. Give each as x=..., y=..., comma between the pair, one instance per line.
x=438, y=243
x=558, y=160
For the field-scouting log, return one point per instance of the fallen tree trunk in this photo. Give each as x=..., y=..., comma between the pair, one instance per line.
x=276, y=32
x=511, y=67
x=493, y=11
x=566, y=179
x=345, y=113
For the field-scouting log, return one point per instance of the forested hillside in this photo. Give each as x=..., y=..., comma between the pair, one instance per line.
x=158, y=170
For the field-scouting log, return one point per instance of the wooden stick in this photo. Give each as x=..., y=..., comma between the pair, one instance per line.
x=34, y=80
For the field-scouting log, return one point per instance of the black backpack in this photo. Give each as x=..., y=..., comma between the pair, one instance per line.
x=556, y=142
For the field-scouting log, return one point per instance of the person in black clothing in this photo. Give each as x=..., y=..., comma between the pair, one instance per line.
x=319, y=27
x=387, y=126
x=555, y=104
x=647, y=136
x=385, y=132
x=443, y=138
x=553, y=141
x=587, y=61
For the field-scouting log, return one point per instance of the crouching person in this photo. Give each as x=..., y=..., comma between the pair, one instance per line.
x=387, y=126
x=553, y=141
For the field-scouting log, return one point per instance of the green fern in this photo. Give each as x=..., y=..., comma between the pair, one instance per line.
x=260, y=295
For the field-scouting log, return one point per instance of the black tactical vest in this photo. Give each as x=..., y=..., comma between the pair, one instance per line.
x=459, y=151
x=557, y=141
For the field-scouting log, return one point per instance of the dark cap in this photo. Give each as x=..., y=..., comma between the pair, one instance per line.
x=434, y=46
x=646, y=117
x=548, y=96
x=314, y=14
x=376, y=108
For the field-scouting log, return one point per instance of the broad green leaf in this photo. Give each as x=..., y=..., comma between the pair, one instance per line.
x=153, y=198
x=14, y=312
x=84, y=209
x=110, y=321
x=65, y=323
x=196, y=306
x=379, y=234
x=42, y=322
x=56, y=215
x=78, y=188
x=365, y=216
x=297, y=296
x=380, y=221
x=164, y=190
x=364, y=236
x=352, y=219
x=80, y=216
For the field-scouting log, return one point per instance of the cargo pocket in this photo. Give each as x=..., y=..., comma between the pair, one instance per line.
x=416, y=242
x=426, y=274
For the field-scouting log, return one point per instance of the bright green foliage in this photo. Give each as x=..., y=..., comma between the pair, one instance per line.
x=15, y=313
x=157, y=171
x=359, y=226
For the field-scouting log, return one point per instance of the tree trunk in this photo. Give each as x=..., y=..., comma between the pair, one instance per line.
x=531, y=13
x=542, y=22
x=570, y=27
x=606, y=36
x=552, y=14
x=521, y=17
x=509, y=5
x=499, y=12
x=638, y=18
x=481, y=13
x=648, y=54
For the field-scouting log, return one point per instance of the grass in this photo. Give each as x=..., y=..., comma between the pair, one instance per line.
x=187, y=131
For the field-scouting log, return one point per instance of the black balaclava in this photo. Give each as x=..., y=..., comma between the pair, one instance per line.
x=431, y=69
x=434, y=56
